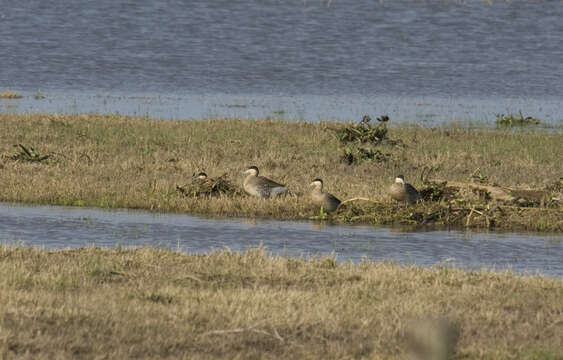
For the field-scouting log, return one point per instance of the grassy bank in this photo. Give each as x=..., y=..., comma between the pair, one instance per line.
x=9, y=95
x=149, y=303
x=117, y=161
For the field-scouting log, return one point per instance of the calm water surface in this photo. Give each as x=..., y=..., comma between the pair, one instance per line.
x=59, y=227
x=424, y=62
x=419, y=61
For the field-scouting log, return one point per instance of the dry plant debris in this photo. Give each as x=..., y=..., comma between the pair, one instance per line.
x=208, y=187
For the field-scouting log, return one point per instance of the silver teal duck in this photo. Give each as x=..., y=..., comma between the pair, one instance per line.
x=403, y=192
x=203, y=180
x=326, y=201
x=261, y=186
x=201, y=177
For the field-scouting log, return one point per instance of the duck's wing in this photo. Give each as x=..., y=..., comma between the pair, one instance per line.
x=263, y=187
x=271, y=187
x=331, y=202
x=268, y=182
x=413, y=193
x=278, y=190
x=333, y=199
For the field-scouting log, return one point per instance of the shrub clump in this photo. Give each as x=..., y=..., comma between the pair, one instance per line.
x=361, y=138
x=10, y=95
x=28, y=154
x=207, y=187
x=516, y=120
x=364, y=131
x=354, y=155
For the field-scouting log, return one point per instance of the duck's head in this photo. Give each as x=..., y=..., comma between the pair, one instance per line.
x=201, y=176
x=316, y=183
x=251, y=170
x=400, y=179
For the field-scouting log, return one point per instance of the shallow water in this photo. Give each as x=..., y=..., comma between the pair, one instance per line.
x=427, y=111
x=418, y=61
x=61, y=227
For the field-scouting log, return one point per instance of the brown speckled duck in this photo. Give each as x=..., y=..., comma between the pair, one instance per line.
x=327, y=201
x=403, y=192
x=261, y=186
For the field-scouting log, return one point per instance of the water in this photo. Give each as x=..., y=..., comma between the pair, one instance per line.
x=424, y=62
x=418, y=61
x=420, y=110
x=60, y=227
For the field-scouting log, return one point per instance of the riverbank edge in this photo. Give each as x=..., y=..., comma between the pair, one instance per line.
x=88, y=165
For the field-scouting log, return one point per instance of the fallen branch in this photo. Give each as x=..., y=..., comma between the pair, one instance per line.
x=355, y=199
x=275, y=335
x=190, y=277
x=469, y=216
x=500, y=193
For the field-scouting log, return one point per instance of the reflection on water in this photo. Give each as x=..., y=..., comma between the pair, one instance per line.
x=59, y=227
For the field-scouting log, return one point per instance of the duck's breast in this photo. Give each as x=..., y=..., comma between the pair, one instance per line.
x=397, y=192
x=252, y=186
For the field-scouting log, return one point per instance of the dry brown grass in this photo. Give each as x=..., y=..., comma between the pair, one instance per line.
x=118, y=161
x=150, y=303
x=10, y=95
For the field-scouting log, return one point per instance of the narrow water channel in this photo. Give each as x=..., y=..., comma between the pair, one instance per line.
x=61, y=227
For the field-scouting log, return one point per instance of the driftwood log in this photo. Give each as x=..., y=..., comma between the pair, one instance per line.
x=499, y=193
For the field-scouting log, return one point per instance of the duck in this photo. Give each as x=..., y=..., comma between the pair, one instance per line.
x=261, y=186
x=326, y=201
x=201, y=177
x=199, y=182
x=403, y=192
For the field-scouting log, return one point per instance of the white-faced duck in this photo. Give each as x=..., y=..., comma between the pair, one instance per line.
x=327, y=201
x=261, y=186
x=403, y=192
x=201, y=177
